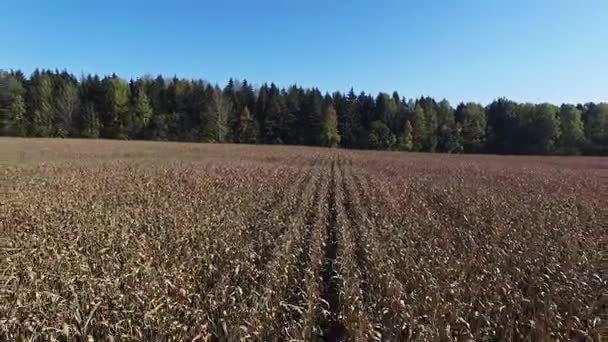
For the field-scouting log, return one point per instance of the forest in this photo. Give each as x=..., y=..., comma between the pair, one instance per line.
x=54, y=103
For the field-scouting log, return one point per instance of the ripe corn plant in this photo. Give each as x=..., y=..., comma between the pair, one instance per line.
x=160, y=241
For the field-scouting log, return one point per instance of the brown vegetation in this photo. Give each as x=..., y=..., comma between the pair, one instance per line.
x=140, y=240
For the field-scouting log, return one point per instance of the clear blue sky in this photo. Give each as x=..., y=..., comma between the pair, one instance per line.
x=527, y=50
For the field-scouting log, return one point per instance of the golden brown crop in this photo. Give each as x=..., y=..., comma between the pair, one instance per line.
x=167, y=241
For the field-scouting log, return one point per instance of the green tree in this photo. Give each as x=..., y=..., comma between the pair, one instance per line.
x=293, y=110
x=11, y=87
x=445, y=113
x=596, y=126
x=117, y=119
x=380, y=136
x=502, y=126
x=143, y=112
x=418, y=128
x=233, y=115
x=310, y=119
x=472, y=120
x=87, y=119
x=183, y=122
x=430, y=141
x=406, y=141
x=448, y=138
x=538, y=128
x=246, y=132
x=42, y=100
x=277, y=118
x=12, y=104
x=53, y=103
x=6, y=100
x=273, y=123
x=329, y=134
x=216, y=116
x=90, y=125
x=572, y=129
x=347, y=115
x=158, y=128
x=246, y=96
x=16, y=117
x=386, y=110
x=67, y=103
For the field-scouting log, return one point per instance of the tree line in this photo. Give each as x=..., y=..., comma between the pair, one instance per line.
x=58, y=104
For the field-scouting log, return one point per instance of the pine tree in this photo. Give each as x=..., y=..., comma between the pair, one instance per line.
x=329, y=134
x=53, y=103
x=246, y=97
x=293, y=111
x=183, y=114
x=258, y=111
x=275, y=127
x=353, y=134
x=311, y=119
x=230, y=95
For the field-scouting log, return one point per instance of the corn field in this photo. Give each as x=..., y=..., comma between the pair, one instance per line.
x=109, y=240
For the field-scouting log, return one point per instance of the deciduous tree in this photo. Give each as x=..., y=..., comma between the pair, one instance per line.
x=329, y=134
x=472, y=120
x=380, y=136
x=572, y=129
x=246, y=129
x=41, y=120
x=406, y=141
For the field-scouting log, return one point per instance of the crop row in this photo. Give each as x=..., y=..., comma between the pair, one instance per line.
x=260, y=243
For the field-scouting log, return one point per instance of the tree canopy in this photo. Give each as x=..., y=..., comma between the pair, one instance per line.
x=329, y=134
x=57, y=104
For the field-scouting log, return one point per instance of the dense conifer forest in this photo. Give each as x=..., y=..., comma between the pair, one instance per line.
x=59, y=104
